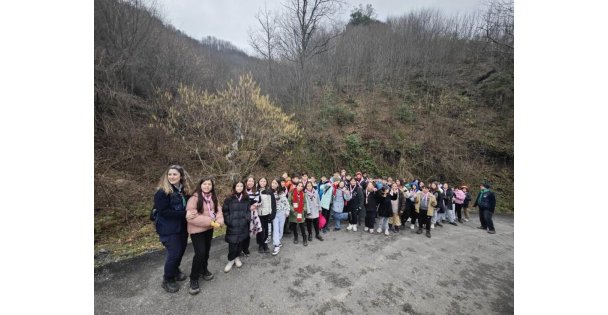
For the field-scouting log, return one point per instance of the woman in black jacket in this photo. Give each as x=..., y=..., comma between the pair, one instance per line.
x=237, y=215
x=371, y=206
x=170, y=203
x=354, y=205
x=439, y=212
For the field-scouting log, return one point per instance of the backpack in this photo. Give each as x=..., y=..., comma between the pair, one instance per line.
x=459, y=196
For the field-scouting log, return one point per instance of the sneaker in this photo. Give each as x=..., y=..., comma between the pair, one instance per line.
x=371, y=231
x=433, y=226
x=170, y=286
x=412, y=226
x=207, y=275
x=319, y=237
x=280, y=245
x=409, y=220
x=337, y=229
x=481, y=228
x=419, y=231
x=453, y=223
x=305, y=242
x=194, y=289
x=349, y=227
x=466, y=219
x=439, y=224
x=460, y=221
x=310, y=237
x=379, y=230
x=276, y=250
x=267, y=240
x=428, y=234
x=229, y=266
x=386, y=233
x=238, y=262
x=295, y=241
x=354, y=228
x=443, y=220
x=365, y=229
x=180, y=276
x=492, y=231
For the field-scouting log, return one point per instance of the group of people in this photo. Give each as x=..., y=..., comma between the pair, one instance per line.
x=268, y=209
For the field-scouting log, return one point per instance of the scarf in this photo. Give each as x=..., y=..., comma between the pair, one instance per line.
x=298, y=197
x=209, y=202
x=239, y=197
x=366, y=195
x=310, y=194
x=483, y=191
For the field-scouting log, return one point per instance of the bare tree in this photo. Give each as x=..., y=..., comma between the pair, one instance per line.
x=264, y=39
x=299, y=41
x=497, y=27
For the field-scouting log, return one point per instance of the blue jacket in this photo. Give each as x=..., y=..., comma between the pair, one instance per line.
x=171, y=218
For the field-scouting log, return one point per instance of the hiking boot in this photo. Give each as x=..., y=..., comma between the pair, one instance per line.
x=238, y=263
x=453, y=223
x=207, y=275
x=419, y=231
x=319, y=237
x=194, y=289
x=428, y=234
x=305, y=242
x=180, y=276
x=492, y=231
x=310, y=237
x=170, y=286
x=229, y=266
x=276, y=250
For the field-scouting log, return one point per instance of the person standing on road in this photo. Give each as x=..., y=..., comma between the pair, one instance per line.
x=342, y=197
x=448, y=202
x=237, y=215
x=254, y=200
x=486, y=201
x=297, y=203
x=397, y=206
x=385, y=211
x=438, y=213
x=354, y=205
x=170, y=203
x=313, y=209
x=280, y=195
x=371, y=207
x=327, y=190
x=465, y=204
x=425, y=204
x=266, y=211
x=204, y=214
x=459, y=197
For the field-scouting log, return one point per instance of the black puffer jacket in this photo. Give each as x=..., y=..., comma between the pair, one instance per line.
x=371, y=204
x=447, y=199
x=385, y=209
x=356, y=200
x=236, y=217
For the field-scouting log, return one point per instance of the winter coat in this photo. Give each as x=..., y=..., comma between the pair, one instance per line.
x=282, y=203
x=237, y=216
x=328, y=195
x=459, y=196
x=339, y=200
x=171, y=209
x=292, y=213
x=268, y=204
x=201, y=222
x=438, y=194
x=486, y=200
x=467, y=200
x=312, y=205
x=385, y=208
x=356, y=200
x=432, y=203
x=371, y=204
x=448, y=194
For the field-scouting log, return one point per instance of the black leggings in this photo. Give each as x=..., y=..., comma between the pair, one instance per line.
x=370, y=219
x=326, y=214
x=352, y=217
x=262, y=235
x=314, y=222
x=459, y=211
x=294, y=229
x=201, y=242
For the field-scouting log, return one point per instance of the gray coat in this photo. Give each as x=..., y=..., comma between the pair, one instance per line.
x=313, y=205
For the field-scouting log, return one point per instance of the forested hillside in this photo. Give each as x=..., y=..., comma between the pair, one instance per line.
x=420, y=95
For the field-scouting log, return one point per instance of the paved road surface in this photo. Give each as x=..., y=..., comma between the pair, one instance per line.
x=460, y=270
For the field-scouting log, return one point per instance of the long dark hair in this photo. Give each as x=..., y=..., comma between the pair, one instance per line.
x=244, y=194
x=199, y=195
x=280, y=189
x=254, y=189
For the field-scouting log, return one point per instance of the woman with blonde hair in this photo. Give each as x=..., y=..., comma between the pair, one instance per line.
x=170, y=203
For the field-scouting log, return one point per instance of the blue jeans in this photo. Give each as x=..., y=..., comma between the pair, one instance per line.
x=176, y=246
x=338, y=216
x=384, y=224
x=277, y=228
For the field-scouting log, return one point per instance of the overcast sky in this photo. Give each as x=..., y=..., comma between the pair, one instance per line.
x=231, y=19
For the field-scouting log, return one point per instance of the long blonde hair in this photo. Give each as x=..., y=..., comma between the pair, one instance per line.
x=164, y=184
